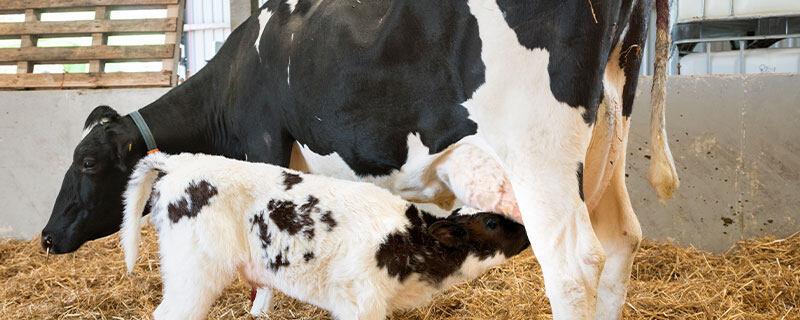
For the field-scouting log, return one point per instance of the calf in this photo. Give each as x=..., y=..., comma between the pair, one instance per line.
x=351, y=248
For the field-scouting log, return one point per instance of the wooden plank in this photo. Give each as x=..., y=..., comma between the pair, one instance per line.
x=174, y=38
x=43, y=4
x=86, y=53
x=31, y=16
x=91, y=26
x=98, y=39
x=85, y=80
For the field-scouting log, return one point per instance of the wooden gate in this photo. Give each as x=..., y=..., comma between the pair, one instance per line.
x=96, y=55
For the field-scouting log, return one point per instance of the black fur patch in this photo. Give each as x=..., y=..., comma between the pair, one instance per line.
x=289, y=218
x=198, y=194
x=279, y=261
x=327, y=218
x=263, y=232
x=308, y=256
x=291, y=179
x=579, y=173
x=416, y=251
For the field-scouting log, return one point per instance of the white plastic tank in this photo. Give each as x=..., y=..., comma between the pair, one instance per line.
x=755, y=61
x=716, y=9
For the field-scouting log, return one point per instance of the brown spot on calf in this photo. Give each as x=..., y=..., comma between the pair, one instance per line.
x=198, y=194
x=287, y=217
x=291, y=179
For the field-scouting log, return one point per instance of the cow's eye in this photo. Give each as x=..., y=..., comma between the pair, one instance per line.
x=490, y=223
x=88, y=163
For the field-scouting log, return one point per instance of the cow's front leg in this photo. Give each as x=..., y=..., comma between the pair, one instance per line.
x=562, y=238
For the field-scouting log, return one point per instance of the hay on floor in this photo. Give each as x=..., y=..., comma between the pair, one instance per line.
x=756, y=279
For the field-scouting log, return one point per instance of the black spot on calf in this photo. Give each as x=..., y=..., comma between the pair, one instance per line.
x=263, y=232
x=308, y=256
x=198, y=195
x=327, y=218
x=289, y=218
x=417, y=250
x=278, y=262
x=291, y=179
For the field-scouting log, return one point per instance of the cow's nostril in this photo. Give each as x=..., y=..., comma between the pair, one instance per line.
x=47, y=241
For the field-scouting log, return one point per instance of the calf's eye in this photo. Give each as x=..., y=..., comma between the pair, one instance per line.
x=490, y=223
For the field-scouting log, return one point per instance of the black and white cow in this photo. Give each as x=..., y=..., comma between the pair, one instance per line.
x=352, y=248
x=385, y=91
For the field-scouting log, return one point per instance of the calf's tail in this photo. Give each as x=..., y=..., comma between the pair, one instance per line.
x=662, y=174
x=135, y=198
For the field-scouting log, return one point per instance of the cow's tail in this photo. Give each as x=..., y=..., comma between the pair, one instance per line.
x=662, y=174
x=136, y=196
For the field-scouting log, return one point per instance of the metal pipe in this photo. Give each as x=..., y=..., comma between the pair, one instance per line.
x=741, y=57
x=703, y=9
x=730, y=8
x=781, y=36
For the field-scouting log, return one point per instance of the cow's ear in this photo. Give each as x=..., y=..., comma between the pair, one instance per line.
x=448, y=233
x=101, y=115
x=123, y=145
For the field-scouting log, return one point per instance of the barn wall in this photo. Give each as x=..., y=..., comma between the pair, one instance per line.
x=38, y=132
x=735, y=141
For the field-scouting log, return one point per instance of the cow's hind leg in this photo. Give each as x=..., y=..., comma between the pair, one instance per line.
x=192, y=278
x=618, y=229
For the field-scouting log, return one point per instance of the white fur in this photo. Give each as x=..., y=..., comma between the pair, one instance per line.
x=292, y=4
x=200, y=255
x=539, y=152
x=462, y=172
x=263, y=18
x=91, y=126
x=135, y=198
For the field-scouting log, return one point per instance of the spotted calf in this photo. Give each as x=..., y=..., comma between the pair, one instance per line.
x=351, y=248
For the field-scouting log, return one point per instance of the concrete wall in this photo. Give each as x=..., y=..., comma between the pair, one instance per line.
x=735, y=140
x=38, y=132
x=736, y=144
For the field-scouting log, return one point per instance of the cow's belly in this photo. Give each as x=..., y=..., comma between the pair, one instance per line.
x=461, y=174
x=412, y=181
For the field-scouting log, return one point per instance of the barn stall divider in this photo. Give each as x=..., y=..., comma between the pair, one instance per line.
x=99, y=53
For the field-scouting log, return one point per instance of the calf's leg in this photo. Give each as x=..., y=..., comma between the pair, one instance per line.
x=192, y=278
x=262, y=303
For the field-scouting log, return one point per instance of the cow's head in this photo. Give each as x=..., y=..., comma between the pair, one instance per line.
x=89, y=205
x=484, y=233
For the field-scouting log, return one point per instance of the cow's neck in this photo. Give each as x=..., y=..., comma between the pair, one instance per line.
x=185, y=119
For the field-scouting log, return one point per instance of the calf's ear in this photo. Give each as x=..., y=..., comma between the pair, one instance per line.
x=448, y=233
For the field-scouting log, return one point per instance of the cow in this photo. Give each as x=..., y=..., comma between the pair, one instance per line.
x=385, y=90
x=352, y=248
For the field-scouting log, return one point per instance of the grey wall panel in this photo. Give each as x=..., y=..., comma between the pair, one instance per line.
x=38, y=133
x=736, y=142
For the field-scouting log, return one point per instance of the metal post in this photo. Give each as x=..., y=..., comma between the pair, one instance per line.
x=731, y=8
x=708, y=57
x=703, y=9
x=741, y=57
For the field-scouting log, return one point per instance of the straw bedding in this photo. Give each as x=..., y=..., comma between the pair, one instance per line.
x=756, y=279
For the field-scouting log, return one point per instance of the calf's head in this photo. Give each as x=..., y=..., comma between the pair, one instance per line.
x=483, y=233
x=89, y=204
